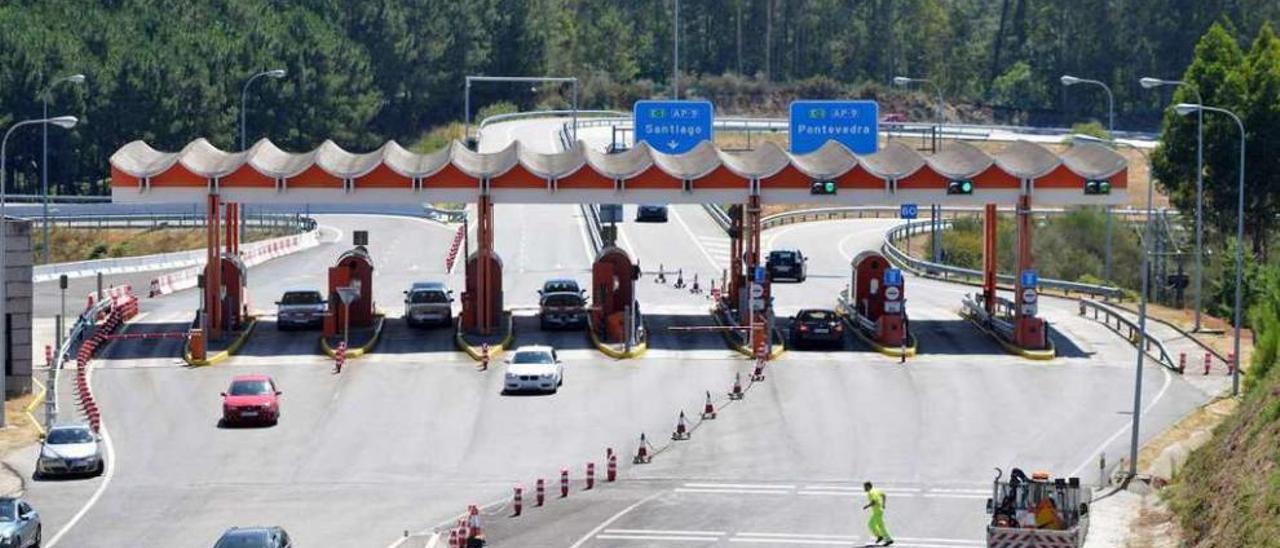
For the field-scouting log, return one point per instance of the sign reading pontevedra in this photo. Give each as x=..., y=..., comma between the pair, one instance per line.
x=854, y=124
x=673, y=127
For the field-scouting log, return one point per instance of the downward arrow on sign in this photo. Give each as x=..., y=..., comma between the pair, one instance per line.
x=672, y=145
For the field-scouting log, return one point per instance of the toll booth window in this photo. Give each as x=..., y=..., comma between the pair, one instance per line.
x=301, y=297
x=428, y=297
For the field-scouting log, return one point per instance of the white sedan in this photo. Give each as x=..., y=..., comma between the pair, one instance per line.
x=535, y=368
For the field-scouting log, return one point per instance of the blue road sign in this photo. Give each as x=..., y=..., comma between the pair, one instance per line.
x=1030, y=278
x=908, y=211
x=673, y=127
x=758, y=275
x=893, y=276
x=854, y=124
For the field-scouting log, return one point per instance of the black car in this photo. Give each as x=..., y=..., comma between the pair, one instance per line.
x=786, y=264
x=816, y=326
x=254, y=537
x=651, y=214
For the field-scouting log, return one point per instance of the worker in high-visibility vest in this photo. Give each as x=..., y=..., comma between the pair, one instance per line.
x=875, y=501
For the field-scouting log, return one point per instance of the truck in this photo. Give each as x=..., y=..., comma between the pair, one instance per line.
x=1037, y=511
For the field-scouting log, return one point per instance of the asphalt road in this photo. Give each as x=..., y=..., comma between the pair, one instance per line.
x=404, y=438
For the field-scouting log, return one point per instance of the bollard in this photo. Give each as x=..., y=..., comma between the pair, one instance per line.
x=517, y=501
x=1102, y=469
x=1208, y=361
x=708, y=409
x=564, y=482
x=611, y=474
x=758, y=374
x=662, y=275
x=591, y=475
x=1182, y=362
x=540, y=493
x=1231, y=363
x=454, y=541
x=484, y=357
x=340, y=357
x=679, y=279
x=694, y=288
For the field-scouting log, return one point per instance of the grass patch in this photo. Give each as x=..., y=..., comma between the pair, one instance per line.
x=84, y=244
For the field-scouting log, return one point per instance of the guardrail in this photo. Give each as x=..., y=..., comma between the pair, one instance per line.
x=80, y=331
x=1115, y=320
x=591, y=212
x=719, y=215
x=929, y=268
x=53, y=199
x=445, y=215
x=296, y=222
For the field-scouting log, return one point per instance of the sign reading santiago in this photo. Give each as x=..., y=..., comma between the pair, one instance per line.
x=673, y=127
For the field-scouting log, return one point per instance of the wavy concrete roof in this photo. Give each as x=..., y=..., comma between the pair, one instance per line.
x=1022, y=160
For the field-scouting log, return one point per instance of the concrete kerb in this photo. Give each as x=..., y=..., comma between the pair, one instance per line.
x=1037, y=355
x=495, y=350
x=219, y=356
x=775, y=352
x=891, y=351
x=36, y=402
x=608, y=349
x=359, y=351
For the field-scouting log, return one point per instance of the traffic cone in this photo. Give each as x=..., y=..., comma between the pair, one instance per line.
x=1182, y=362
x=591, y=475
x=540, y=493
x=1208, y=362
x=564, y=482
x=758, y=374
x=611, y=473
x=679, y=279
x=484, y=357
x=695, y=289
x=736, y=393
x=709, y=409
x=517, y=501
x=682, y=430
x=642, y=454
x=662, y=275
x=454, y=541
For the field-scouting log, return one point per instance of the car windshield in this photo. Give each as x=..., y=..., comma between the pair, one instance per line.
x=7, y=509
x=250, y=388
x=244, y=539
x=560, y=286
x=428, y=297
x=817, y=315
x=782, y=257
x=563, y=300
x=301, y=297
x=532, y=357
x=60, y=436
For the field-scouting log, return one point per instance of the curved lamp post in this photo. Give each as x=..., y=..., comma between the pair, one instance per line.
x=244, y=97
x=44, y=152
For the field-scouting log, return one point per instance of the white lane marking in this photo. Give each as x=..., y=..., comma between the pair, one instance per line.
x=661, y=532
x=696, y=240
x=740, y=486
x=655, y=537
x=860, y=489
x=626, y=243
x=102, y=487
x=1093, y=457
x=753, y=540
x=799, y=535
x=734, y=491
x=612, y=519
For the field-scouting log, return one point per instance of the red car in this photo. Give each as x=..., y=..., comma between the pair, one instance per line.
x=251, y=399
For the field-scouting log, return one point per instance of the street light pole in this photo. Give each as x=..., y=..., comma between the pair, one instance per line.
x=66, y=122
x=44, y=155
x=466, y=104
x=244, y=98
x=1068, y=80
x=1184, y=109
x=1156, y=82
x=675, y=55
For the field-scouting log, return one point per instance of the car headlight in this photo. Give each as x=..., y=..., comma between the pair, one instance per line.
x=546, y=375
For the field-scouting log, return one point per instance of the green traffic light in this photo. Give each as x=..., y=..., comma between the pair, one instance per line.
x=966, y=187
x=830, y=187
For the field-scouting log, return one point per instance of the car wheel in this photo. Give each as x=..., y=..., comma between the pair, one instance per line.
x=39, y=537
x=102, y=467
x=37, y=475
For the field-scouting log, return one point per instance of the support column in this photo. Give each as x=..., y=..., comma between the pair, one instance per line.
x=1028, y=329
x=229, y=238
x=734, y=293
x=990, y=259
x=758, y=320
x=487, y=293
x=213, y=270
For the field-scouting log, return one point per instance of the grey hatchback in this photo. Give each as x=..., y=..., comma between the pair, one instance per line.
x=254, y=537
x=19, y=524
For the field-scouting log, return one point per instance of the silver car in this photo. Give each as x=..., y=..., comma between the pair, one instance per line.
x=19, y=524
x=70, y=449
x=303, y=308
x=428, y=302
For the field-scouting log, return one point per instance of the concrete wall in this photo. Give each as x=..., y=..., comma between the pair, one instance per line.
x=17, y=295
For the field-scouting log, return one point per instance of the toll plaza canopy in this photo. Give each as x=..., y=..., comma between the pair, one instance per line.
x=391, y=174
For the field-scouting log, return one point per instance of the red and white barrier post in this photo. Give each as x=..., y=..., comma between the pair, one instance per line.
x=611, y=470
x=1208, y=362
x=591, y=475
x=564, y=482
x=708, y=409
x=484, y=357
x=540, y=493
x=1182, y=362
x=642, y=454
x=682, y=429
x=340, y=357
x=517, y=500
x=1231, y=363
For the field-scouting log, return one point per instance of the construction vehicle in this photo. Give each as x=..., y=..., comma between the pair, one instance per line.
x=1037, y=511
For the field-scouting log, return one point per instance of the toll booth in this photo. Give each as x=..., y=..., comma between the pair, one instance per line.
x=233, y=277
x=879, y=299
x=353, y=269
x=471, y=297
x=613, y=278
